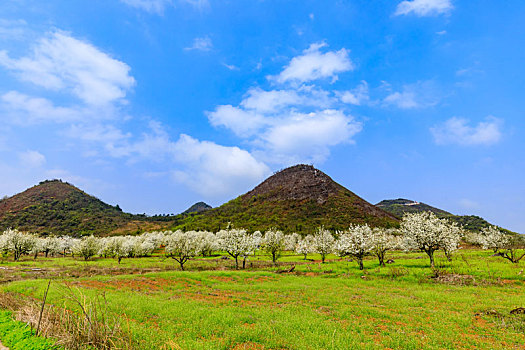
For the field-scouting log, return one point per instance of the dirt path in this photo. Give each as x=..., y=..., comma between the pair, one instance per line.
x=2, y=347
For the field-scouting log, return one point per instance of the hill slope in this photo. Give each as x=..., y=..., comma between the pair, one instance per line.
x=300, y=199
x=57, y=207
x=400, y=206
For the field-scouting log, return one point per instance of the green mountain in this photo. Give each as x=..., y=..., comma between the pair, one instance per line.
x=56, y=207
x=197, y=208
x=297, y=199
x=400, y=206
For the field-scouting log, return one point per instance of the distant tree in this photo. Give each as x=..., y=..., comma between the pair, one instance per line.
x=507, y=246
x=305, y=246
x=207, y=242
x=384, y=240
x=273, y=243
x=291, y=241
x=322, y=242
x=492, y=238
x=87, y=247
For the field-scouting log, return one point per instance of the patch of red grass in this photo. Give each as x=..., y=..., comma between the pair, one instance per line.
x=248, y=346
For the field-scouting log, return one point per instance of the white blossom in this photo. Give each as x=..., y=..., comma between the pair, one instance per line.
x=322, y=242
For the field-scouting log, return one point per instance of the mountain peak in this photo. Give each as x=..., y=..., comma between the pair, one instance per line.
x=298, y=182
x=197, y=208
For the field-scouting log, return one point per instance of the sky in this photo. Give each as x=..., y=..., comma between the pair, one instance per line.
x=157, y=104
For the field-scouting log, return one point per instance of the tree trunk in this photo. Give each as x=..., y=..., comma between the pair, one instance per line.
x=431, y=256
x=381, y=258
x=119, y=258
x=322, y=258
x=360, y=261
x=236, y=263
x=244, y=263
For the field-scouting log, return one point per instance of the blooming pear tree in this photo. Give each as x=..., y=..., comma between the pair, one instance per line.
x=507, y=246
x=207, y=242
x=322, y=242
x=181, y=246
x=87, y=247
x=273, y=243
x=305, y=246
x=426, y=232
x=384, y=240
x=291, y=241
x=17, y=242
x=492, y=238
x=236, y=242
x=357, y=242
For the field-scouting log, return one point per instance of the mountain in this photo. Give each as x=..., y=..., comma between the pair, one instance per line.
x=56, y=207
x=197, y=208
x=300, y=198
x=400, y=206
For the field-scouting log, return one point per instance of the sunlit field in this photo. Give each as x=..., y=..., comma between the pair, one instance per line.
x=465, y=303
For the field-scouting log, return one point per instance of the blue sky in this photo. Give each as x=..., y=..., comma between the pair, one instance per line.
x=156, y=104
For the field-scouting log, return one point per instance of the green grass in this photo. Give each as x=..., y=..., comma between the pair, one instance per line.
x=319, y=306
x=17, y=335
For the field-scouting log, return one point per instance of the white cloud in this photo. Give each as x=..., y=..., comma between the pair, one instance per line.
x=230, y=66
x=299, y=122
x=404, y=100
x=418, y=95
x=356, y=96
x=158, y=6
x=201, y=44
x=152, y=6
x=269, y=101
x=314, y=65
x=12, y=29
x=279, y=125
x=62, y=63
x=23, y=109
x=424, y=7
x=274, y=101
x=32, y=159
x=243, y=123
x=215, y=170
x=206, y=167
x=307, y=137
x=458, y=131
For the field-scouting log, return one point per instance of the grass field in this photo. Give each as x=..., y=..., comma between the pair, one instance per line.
x=464, y=304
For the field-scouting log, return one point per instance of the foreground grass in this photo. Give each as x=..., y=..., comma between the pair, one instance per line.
x=319, y=306
x=18, y=336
